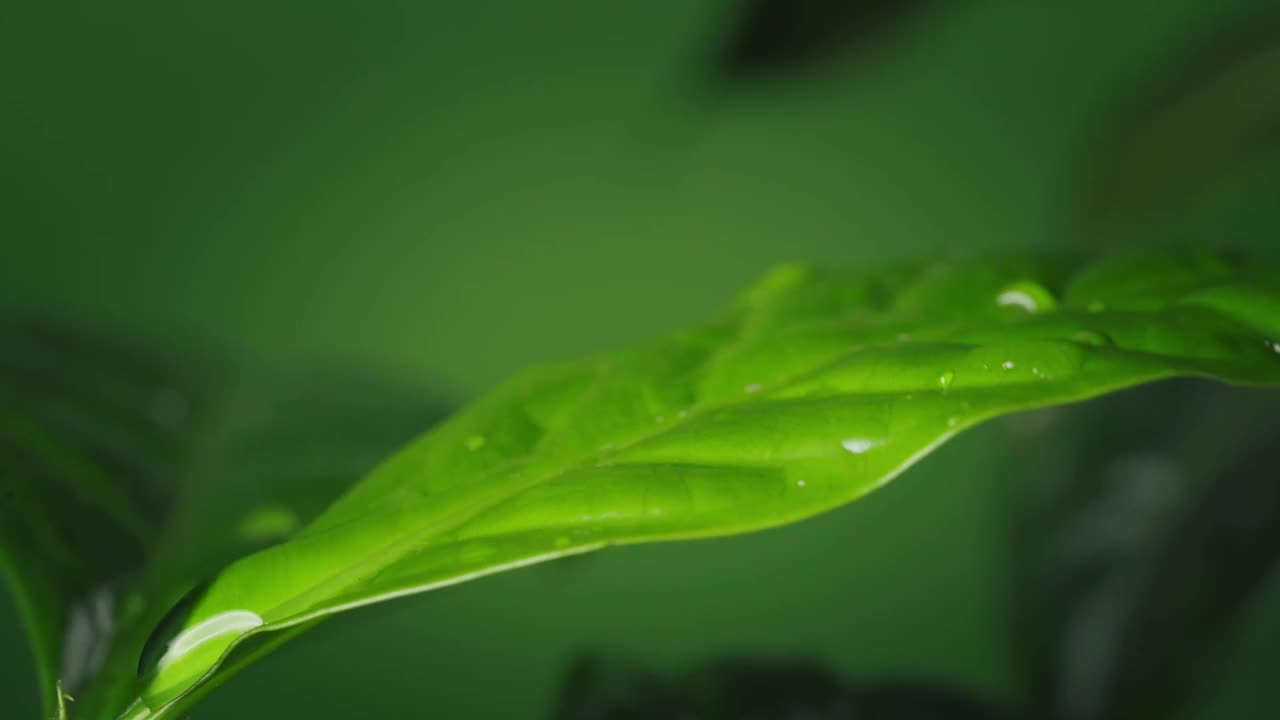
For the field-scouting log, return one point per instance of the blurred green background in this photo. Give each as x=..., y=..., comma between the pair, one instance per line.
x=453, y=191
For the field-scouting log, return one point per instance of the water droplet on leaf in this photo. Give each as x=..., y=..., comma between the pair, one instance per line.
x=857, y=446
x=475, y=442
x=231, y=622
x=1030, y=296
x=165, y=631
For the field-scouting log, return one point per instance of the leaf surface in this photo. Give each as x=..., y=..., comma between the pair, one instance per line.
x=812, y=390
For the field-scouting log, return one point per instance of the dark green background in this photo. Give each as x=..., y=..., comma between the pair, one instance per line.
x=452, y=191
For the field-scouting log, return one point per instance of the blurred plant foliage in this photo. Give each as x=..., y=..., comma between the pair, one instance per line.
x=1140, y=543
x=1194, y=154
x=603, y=689
x=129, y=474
x=164, y=518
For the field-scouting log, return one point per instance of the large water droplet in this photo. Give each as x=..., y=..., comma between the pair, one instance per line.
x=231, y=622
x=157, y=643
x=1030, y=296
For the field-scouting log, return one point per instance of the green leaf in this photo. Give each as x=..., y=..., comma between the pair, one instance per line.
x=130, y=475
x=814, y=389
x=1139, y=543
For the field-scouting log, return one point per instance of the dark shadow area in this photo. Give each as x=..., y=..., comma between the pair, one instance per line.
x=779, y=39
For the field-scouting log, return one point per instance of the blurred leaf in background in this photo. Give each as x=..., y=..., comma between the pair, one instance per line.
x=1148, y=527
x=130, y=474
x=597, y=688
x=1193, y=154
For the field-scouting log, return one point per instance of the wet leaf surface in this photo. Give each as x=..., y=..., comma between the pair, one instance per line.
x=814, y=388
